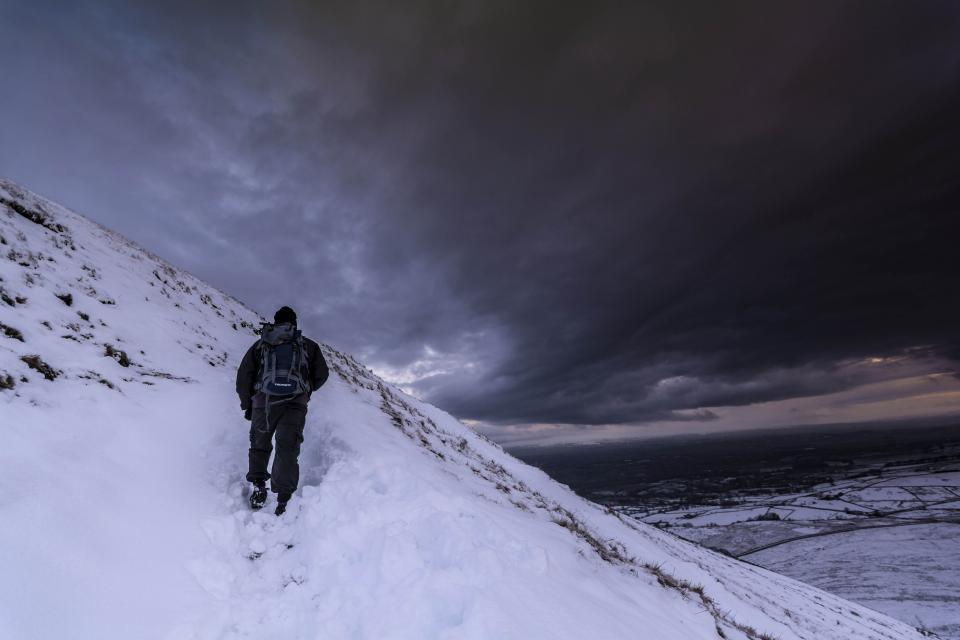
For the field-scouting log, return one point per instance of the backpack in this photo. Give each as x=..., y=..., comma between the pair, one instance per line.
x=284, y=369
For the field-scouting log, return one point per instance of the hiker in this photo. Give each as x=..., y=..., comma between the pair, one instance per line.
x=274, y=381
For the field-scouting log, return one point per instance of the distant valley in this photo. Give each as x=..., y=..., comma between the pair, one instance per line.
x=869, y=512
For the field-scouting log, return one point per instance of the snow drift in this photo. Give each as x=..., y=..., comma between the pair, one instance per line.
x=122, y=500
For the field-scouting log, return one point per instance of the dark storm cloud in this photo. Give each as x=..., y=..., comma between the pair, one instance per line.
x=531, y=212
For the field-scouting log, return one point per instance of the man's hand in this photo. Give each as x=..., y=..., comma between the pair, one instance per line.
x=248, y=414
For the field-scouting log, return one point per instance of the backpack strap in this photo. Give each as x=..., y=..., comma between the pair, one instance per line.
x=302, y=348
x=294, y=362
x=258, y=357
x=273, y=364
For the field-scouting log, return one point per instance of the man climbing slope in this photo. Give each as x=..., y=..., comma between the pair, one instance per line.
x=274, y=381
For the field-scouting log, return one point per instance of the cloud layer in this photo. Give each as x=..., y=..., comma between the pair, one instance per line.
x=525, y=212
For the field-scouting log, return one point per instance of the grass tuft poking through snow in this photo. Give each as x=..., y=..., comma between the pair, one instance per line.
x=36, y=363
x=117, y=354
x=11, y=332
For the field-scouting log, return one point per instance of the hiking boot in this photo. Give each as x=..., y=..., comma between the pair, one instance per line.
x=258, y=497
x=282, y=500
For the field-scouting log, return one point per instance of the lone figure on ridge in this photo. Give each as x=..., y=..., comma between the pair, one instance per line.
x=274, y=381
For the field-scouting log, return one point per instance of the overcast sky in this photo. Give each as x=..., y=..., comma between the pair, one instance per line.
x=563, y=221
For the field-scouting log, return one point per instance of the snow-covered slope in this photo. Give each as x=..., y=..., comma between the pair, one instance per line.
x=122, y=501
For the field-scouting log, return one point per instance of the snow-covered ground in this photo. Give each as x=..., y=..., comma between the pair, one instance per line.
x=122, y=501
x=888, y=537
x=909, y=572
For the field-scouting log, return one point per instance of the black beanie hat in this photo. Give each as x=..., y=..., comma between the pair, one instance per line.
x=285, y=314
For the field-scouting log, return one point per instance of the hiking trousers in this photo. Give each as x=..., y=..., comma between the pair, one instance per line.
x=286, y=422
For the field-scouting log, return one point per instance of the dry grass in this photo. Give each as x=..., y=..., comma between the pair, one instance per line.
x=41, y=367
x=11, y=332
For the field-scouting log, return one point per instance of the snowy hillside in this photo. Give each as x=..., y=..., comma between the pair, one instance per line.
x=122, y=500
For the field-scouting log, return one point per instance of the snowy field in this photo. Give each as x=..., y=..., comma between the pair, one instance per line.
x=123, y=507
x=888, y=538
x=909, y=572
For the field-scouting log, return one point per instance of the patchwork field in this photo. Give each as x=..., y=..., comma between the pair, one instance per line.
x=888, y=538
x=870, y=513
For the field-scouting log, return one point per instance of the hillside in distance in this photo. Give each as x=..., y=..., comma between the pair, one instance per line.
x=123, y=508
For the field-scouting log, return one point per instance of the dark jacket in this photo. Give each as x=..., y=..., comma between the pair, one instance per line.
x=248, y=373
